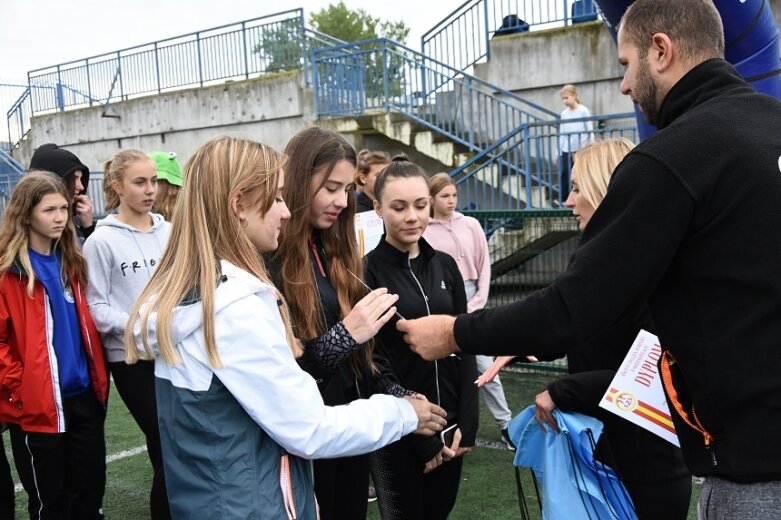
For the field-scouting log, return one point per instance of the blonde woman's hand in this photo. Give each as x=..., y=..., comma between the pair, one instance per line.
x=370, y=314
x=489, y=375
x=431, y=418
x=543, y=412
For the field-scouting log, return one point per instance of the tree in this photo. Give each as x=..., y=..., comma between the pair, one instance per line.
x=352, y=25
x=280, y=45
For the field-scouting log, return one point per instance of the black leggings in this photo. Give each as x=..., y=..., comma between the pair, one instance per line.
x=341, y=487
x=405, y=492
x=136, y=386
x=64, y=474
x=668, y=499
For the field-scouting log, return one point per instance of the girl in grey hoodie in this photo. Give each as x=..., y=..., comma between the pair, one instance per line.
x=121, y=255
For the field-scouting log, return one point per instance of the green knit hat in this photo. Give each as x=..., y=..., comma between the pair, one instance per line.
x=168, y=167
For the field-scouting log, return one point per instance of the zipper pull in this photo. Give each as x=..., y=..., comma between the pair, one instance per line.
x=713, y=460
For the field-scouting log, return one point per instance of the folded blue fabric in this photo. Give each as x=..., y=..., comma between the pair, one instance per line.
x=573, y=484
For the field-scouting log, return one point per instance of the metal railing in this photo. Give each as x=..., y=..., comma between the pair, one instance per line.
x=267, y=44
x=514, y=143
x=382, y=74
x=521, y=170
x=529, y=249
x=10, y=173
x=262, y=45
x=462, y=38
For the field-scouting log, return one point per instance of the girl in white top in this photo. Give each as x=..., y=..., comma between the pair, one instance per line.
x=122, y=253
x=573, y=135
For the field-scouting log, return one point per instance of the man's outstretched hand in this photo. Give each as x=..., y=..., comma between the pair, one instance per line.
x=430, y=337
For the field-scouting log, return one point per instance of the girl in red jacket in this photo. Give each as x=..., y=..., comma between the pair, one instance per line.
x=53, y=382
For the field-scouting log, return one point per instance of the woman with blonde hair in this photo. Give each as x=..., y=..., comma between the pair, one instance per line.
x=122, y=253
x=52, y=374
x=649, y=466
x=463, y=238
x=237, y=416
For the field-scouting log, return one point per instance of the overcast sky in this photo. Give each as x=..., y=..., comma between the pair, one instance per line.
x=39, y=33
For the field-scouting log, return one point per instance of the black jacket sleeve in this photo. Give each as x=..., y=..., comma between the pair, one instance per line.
x=581, y=392
x=625, y=250
x=469, y=411
x=426, y=448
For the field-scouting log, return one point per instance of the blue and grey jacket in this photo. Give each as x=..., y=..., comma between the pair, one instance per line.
x=235, y=439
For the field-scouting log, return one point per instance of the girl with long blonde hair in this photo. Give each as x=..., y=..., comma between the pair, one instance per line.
x=52, y=373
x=237, y=415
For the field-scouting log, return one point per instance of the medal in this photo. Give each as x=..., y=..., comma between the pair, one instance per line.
x=68, y=294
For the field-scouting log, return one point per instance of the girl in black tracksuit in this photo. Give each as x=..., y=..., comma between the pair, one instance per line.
x=414, y=477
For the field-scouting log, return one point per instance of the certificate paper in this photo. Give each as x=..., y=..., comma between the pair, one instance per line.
x=368, y=231
x=636, y=392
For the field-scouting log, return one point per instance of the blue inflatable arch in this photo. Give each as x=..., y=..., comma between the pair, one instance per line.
x=751, y=43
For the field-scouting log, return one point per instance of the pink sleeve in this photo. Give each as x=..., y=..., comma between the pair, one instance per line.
x=482, y=265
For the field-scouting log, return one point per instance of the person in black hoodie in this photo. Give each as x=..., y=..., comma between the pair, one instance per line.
x=690, y=225
x=75, y=175
x=418, y=477
x=649, y=466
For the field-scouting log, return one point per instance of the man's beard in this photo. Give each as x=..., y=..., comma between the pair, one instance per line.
x=647, y=94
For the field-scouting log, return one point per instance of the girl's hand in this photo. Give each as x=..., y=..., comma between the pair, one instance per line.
x=431, y=418
x=458, y=451
x=370, y=314
x=445, y=454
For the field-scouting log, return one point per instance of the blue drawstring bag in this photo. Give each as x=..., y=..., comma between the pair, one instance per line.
x=574, y=484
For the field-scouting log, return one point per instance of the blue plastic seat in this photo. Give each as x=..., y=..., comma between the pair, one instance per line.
x=583, y=11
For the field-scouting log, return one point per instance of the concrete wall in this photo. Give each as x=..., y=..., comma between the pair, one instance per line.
x=270, y=109
x=536, y=64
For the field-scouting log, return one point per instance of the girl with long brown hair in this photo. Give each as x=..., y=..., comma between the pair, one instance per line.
x=237, y=416
x=53, y=383
x=320, y=271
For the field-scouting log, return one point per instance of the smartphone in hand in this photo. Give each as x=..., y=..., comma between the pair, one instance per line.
x=447, y=435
